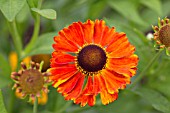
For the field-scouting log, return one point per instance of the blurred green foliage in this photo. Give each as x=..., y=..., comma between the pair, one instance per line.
x=134, y=17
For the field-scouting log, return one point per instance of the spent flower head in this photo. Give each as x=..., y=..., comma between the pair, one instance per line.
x=31, y=81
x=162, y=34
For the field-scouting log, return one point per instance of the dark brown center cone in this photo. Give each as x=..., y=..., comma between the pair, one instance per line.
x=92, y=58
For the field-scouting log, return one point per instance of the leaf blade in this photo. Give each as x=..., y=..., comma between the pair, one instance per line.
x=2, y=106
x=47, y=13
x=43, y=44
x=156, y=99
x=10, y=8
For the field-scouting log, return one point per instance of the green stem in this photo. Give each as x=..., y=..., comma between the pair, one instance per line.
x=142, y=74
x=36, y=30
x=35, y=105
x=11, y=102
x=16, y=37
x=35, y=34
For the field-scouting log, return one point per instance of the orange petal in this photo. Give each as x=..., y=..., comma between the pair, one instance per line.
x=96, y=88
x=87, y=95
x=62, y=58
x=116, y=42
x=76, y=91
x=105, y=96
x=88, y=29
x=84, y=99
x=74, y=33
x=130, y=61
x=62, y=78
x=67, y=86
x=62, y=44
x=108, y=35
x=89, y=86
x=125, y=66
x=120, y=47
x=122, y=51
x=114, y=81
x=62, y=74
x=54, y=64
x=98, y=31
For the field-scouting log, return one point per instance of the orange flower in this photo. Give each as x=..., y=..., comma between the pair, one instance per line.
x=90, y=59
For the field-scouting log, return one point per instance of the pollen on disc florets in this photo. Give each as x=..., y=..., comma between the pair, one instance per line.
x=91, y=59
x=30, y=81
x=162, y=33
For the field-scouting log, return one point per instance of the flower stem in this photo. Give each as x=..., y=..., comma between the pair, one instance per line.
x=35, y=105
x=15, y=37
x=142, y=74
x=35, y=34
x=36, y=30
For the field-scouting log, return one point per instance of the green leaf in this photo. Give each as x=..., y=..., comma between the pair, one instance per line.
x=153, y=4
x=5, y=71
x=155, y=98
x=43, y=45
x=10, y=8
x=2, y=107
x=128, y=9
x=47, y=13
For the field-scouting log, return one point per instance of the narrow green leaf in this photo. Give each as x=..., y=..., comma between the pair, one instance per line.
x=157, y=100
x=10, y=8
x=153, y=4
x=47, y=13
x=127, y=9
x=2, y=107
x=43, y=44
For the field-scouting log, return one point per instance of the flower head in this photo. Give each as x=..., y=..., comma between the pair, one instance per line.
x=90, y=59
x=162, y=34
x=30, y=81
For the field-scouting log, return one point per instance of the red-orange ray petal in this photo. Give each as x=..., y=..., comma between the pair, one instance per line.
x=88, y=90
x=114, y=81
x=96, y=88
x=116, y=42
x=130, y=61
x=125, y=66
x=108, y=35
x=87, y=95
x=62, y=58
x=62, y=78
x=98, y=31
x=106, y=97
x=76, y=91
x=120, y=47
x=62, y=74
x=88, y=29
x=63, y=45
x=54, y=64
x=122, y=51
x=74, y=33
x=68, y=86
x=84, y=99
